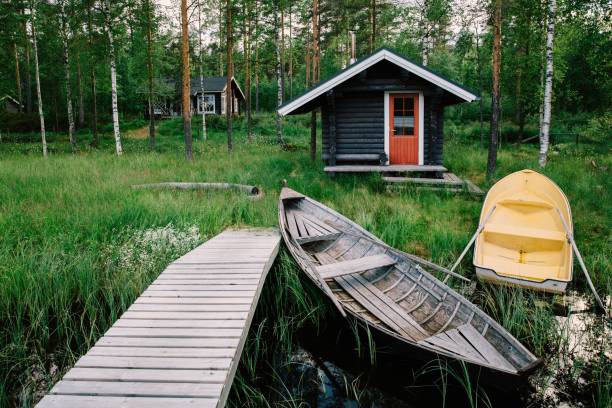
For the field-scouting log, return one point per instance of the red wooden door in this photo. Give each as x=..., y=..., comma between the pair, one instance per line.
x=404, y=129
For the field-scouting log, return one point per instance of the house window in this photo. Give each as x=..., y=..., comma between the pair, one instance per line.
x=206, y=104
x=223, y=103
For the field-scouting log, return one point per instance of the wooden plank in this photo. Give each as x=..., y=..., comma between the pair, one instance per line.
x=186, y=315
x=236, y=286
x=172, y=333
x=137, y=389
x=164, y=307
x=154, y=300
x=166, y=342
x=354, y=266
x=163, y=280
x=78, y=401
x=198, y=293
x=185, y=324
x=400, y=168
x=484, y=347
x=146, y=375
x=417, y=180
x=161, y=352
x=155, y=362
x=315, y=238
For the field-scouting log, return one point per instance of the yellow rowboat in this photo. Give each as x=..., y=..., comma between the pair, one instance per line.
x=523, y=240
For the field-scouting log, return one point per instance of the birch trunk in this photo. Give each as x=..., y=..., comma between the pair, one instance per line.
x=479, y=73
x=80, y=90
x=290, y=53
x=546, y=115
x=203, y=104
x=150, y=74
x=186, y=99
x=495, y=103
x=92, y=76
x=41, y=115
x=230, y=73
x=17, y=77
x=372, y=25
x=67, y=75
x=282, y=49
x=256, y=56
x=113, y=67
x=279, y=93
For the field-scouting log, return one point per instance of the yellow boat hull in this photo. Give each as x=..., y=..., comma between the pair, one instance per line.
x=524, y=242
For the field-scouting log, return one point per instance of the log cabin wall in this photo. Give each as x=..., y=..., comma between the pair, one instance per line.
x=359, y=115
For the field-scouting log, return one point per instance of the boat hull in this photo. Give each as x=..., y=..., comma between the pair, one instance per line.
x=548, y=285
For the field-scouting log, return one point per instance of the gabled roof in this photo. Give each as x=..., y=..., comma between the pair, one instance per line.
x=11, y=99
x=212, y=84
x=366, y=62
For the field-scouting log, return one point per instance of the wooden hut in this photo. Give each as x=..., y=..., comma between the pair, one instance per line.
x=10, y=104
x=382, y=113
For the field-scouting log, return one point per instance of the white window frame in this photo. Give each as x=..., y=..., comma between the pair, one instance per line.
x=223, y=103
x=211, y=106
x=420, y=119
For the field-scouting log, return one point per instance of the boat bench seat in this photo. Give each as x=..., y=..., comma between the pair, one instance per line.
x=529, y=271
x=523, y=232
x=366, y=263
x=305, y=228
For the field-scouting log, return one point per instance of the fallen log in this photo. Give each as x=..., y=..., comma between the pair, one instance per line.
x=251, y=191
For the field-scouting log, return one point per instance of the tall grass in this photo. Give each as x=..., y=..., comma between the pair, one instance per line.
x=65, y=221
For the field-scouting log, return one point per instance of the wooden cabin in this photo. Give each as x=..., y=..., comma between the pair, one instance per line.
x=212, y=101
x=10, y=104
x=383, y=110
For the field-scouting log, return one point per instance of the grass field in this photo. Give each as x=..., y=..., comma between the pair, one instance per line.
x=78, y=245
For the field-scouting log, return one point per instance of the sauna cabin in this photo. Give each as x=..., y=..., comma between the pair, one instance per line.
x=383, y=110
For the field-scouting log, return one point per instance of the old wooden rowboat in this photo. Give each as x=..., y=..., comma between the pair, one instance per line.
x=390, y=292
x=523, y=240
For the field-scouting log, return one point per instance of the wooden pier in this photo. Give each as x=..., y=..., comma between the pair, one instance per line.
x=180, y=343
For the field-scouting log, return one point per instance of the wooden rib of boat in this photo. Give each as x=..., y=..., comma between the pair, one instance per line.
x=523, y=240
x=390, y=292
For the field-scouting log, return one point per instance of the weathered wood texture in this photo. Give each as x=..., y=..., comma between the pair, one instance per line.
x=180, y=343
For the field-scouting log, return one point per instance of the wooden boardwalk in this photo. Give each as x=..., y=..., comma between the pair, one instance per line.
x=179, y=344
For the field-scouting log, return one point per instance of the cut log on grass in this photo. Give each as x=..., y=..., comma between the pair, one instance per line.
x=251, y=191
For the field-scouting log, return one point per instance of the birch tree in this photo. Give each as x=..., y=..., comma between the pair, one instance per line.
x=80, y=91
x=150, y=98
x=204, y=102
x=186, y=81
x=495, y=103
x=113, y=67
x=279, y=80
x=547, y=108
x=33, y=4
x=17, y=76
x=66, y=61
x=247, y=74
x=230, y=72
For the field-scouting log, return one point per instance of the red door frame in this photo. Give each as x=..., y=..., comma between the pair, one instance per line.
x=404, y=149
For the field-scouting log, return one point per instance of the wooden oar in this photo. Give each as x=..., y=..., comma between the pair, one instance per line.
x=471, y=242
x=570, y=238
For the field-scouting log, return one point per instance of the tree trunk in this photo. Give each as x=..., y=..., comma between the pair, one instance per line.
x=547, y=107
x=290, y=53
x=80, y=89
x=150, y=98
x=256, y=56
x=372, y=25
x=282, y=49
x=92, y=76
x=186, y=81
x=113, y=67
x=28, y=80
x=495, y=102
x=518, y=97
x=315, y=75
x=279, y=93
x=17, y=77
x=230, y=73
x=203, y=104
x=67, y=75
x=41, y=115
x=247, y=74
x=479, y=73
